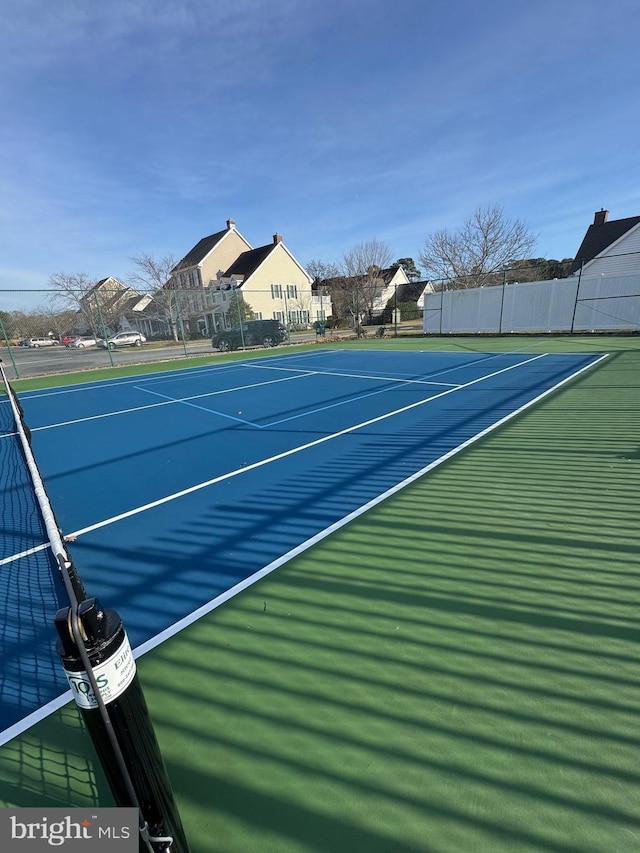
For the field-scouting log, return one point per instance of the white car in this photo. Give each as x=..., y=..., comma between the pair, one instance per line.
x=123, y=339
x=42, y=342
x=82, y=342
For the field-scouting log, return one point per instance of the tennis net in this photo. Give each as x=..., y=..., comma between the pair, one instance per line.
x=31, y=589
x=122, y=733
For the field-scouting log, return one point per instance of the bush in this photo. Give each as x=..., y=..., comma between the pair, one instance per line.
x=409, y=311
x=160, y=336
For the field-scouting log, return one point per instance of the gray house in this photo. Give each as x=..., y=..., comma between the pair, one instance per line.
x=609, y=247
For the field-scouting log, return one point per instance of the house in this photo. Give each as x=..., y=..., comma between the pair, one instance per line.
x=365, y=296
x=609, y=247
x=391, y=280
x=210, y=257
x=416, y=293
x=112, y=306
x=224, y=266
x=273, y=282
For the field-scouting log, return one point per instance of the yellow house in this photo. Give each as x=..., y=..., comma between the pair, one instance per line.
x=273, y=283
x=218, y=268
x=210, y=257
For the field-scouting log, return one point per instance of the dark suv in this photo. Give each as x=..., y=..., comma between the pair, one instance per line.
x=252, y=333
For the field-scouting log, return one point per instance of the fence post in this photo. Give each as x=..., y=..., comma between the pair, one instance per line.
x=241, y=319
x=395, y=311
x=6, y=340
x=575, y=304
x=504, y=284
x=179, y=322
x=105, y=336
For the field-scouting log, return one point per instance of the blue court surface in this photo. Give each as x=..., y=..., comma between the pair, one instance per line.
x=181, y=488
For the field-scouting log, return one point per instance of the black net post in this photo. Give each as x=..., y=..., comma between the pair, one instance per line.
x=135, y=770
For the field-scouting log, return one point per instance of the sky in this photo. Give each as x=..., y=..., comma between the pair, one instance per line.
x=136, y=127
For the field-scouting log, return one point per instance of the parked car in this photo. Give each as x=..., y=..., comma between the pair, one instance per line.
x=123, y=339
x=251, y=333
x=43, y=342
x=67, y=339
x=82, y=342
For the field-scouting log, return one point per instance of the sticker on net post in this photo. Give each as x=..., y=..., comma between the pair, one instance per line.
x=113, y=676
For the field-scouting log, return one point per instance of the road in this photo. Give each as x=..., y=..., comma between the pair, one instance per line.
x=25, y=362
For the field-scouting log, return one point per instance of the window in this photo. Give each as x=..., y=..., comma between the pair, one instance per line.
x=292, y=291
x=278, y=315
x=276, y=291
x=298, y=318
x=257, y=315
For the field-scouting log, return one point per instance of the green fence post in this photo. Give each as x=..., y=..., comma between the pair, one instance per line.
x=105, y=336
x=10, y=351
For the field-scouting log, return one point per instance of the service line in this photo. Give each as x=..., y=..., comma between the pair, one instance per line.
x=292, y=451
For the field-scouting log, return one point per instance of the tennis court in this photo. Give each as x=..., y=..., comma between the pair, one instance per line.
x=181, y=488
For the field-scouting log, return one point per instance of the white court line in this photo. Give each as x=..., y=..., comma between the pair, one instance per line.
x=452, y=369
x=174, y=629
x=303, y=373
x=35, y=717
x=26, y=553
x=99, y=385
x=375, y=378
x=292, y=451
x=174, y=375
x=254, y=465
x=168, y=401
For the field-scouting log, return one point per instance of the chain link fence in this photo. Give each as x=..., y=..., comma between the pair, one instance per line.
x=44, y=332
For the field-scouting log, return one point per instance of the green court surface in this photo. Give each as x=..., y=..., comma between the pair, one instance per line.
x=456, y=670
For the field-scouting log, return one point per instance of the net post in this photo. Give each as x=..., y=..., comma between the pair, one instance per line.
x=105, y=686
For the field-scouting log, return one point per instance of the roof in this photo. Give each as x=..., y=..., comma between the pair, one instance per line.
x=248, y=262
x=384, y=275
x=599, y=237
x=200, y=250
x=411, y=292
x=387, y=274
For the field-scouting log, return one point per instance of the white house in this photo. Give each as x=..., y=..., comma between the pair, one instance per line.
x=609, y=247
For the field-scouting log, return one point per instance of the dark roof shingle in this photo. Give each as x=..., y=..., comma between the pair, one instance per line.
x=248, y=262
x=200, y=251
x=598, y=237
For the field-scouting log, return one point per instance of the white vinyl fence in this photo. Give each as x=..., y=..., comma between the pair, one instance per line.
x=576, y=304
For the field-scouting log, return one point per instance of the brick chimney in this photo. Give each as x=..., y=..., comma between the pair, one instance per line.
x=277, y=238
x=230, y=224
x=601, y=217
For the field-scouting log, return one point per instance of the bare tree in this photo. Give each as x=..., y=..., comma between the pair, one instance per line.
x=60, y=320
x=319, y=270
x=362, y=266
x=473, y=256
x=71, y=291
x=153, y=276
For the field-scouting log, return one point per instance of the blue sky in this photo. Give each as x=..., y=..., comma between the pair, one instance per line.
x=136, y=126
